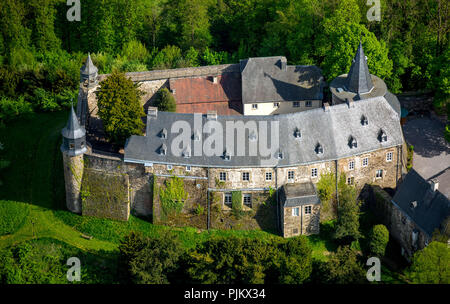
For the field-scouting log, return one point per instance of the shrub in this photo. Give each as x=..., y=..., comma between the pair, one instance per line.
x=11, y=109
x=431, y=265
x=119, y=107
x=173, y=196
x=199, y=210
x=342, y=267
x=236, y=203
x=379, y=238
x=12, y=216
x=165, y=101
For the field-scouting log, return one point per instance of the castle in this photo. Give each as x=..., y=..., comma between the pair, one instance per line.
x=257, y=133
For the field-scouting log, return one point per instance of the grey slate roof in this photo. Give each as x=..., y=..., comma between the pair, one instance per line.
x=293, y=195
x=394, y=102
x=73, y=129
x=432, y=207
x=270, y=79
x=331, y=129
x=358, y=79
x=88, y=68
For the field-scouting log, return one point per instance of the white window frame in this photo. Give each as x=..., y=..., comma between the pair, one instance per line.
x=291, y=179
x=268, y=174
x=227, y=196
x=350, y=180
x=308, y=103
x=276, y=104
x=254, y=106
x=366, y=160
x=351, y=165
x=188, y=168
x=389, y=156
x=296, y=104
x=379, y=171
x=221, y=174
x=246, y=174
x=314, y=172
x=308, y=209
x=247, y=196
x=296, y=211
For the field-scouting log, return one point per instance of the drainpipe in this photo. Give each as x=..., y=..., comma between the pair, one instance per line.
x=278, y=201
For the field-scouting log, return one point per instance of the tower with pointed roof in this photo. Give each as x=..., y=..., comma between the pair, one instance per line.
x=358, y=79
x=73, y=147
x=89, y=73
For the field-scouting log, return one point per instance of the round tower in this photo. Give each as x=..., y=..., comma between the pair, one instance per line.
x=73, y=147
x=89, y=73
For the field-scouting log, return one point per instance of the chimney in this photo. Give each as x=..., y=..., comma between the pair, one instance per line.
x=326, y=107
x=211, y=115
x=213, y=79
x=152, y=112
x=283, y=64
x=434, y=185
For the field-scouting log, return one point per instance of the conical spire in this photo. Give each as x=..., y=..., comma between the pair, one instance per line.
x=73, y=129
x=358, y=79
x=89, y=68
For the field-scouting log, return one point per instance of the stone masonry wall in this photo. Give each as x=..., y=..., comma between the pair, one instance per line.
x=305, y=224
x=73, y=173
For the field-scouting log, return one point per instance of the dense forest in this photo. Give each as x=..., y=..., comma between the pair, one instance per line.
x=41, y=52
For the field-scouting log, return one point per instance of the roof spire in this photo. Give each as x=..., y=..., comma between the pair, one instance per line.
x=73, y=129
x=358, y=79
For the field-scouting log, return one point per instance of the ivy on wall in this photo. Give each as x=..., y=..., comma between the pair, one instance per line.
x=173, y=196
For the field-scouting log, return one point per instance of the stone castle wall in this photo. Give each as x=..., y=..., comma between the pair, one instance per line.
x=73, y=173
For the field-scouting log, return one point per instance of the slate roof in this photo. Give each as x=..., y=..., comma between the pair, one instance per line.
x=330, y=128
x=293, y=195
x=72, y=129
x=432, y=207
x=88, y=68
x=358, y=79
x=270, y=79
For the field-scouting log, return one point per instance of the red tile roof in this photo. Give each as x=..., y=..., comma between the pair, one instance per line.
x=201, y=94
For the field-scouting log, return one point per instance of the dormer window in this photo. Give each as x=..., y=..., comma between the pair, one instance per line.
x=226, y=156
x=297, y=133
x=364, y=120
x=279, y=155
x=413, y=205
x=163, y=149
x=187, y=152
x=163, y=134
x=196, y=135
x=252, y=136
x=319, y=149
x=352, y=142
x=382, y=137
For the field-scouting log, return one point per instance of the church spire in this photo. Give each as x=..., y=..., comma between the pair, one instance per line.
x=358, y=79
x=89, y=72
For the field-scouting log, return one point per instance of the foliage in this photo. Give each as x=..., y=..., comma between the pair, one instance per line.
x=410, y=157
x=431, y=265
x=234, y=260
x=236, y=203
x=347, y=225
x=11, y=109
x=12, y=216
x=173, y=196
x=200, y=210
x=342, y=267
x=447, y=133
x=165, y=101
x=379, y=238
x=119, y=107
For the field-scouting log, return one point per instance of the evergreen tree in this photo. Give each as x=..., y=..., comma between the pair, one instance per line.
x=165, y=101
x=119, y=107
x=347, y=225
x=378, y=240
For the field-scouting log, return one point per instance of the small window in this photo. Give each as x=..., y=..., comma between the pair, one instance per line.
x=223, y=176
x=226, y=156
x=382, y=136
x=295, y=211
x=389, y=156
x=319, y=149
x=188, y=168
x=163, y=134
x=71, y=146
x=227, y=200
x=169, y=167
x=245, y=176
x=280, y=155
x=350, y=180
x=290, y=175
x=308, y=104
x=247, y=199
x=379, y=174
x=268, y=176
x=295, y=231
x=296, y=104
x=307, y=209
x=365, y=162
x=352, y=142
x=254, y=106
x=364, y=120
x=351, y=165
x=276, y=104
x=297, y=133
x=314, y=172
